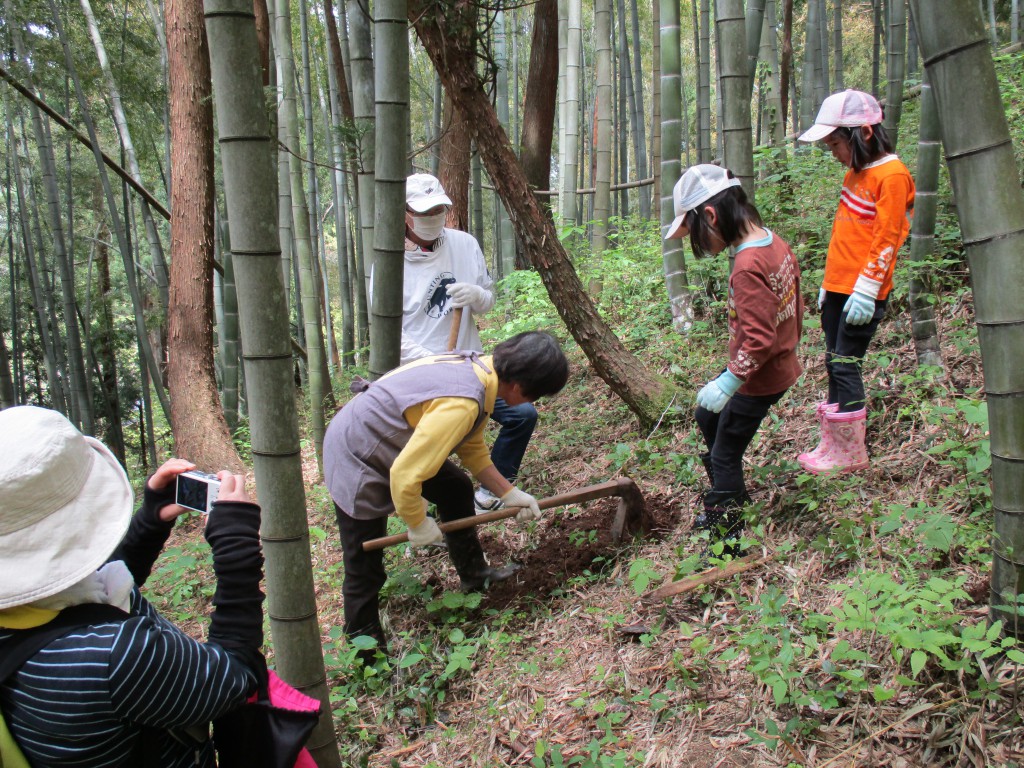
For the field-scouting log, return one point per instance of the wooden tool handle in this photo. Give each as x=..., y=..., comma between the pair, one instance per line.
x=453, y=334
x=589, y=493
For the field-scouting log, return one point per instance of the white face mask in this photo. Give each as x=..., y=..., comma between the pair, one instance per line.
x=428, y=228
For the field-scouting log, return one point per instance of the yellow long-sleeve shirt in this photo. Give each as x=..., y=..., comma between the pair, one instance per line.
x=870, y=226
x=440, y=427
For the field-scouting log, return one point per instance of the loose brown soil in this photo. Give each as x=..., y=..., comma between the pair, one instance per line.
x=570, y=541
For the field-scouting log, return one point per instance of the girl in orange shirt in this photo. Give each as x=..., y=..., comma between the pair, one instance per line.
x=871, y=224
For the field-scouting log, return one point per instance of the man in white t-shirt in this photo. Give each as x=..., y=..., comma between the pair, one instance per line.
x=445, y=270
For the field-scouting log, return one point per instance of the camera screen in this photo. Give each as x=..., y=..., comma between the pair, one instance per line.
x=192, y=493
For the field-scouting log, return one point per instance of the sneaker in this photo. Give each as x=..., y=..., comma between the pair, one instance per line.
x=485, y=501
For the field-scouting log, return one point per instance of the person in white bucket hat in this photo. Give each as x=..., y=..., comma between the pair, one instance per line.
x=129, y=689
x=765, y=322
x=871, y=224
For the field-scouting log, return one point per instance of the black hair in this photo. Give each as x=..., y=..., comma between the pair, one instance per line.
x=865, y=151
x=736, y=214
x=534, y=361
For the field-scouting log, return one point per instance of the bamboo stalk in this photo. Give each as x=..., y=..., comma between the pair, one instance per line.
x=709, y=576
x=83, y=139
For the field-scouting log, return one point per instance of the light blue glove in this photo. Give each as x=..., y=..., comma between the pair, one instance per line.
x=859, y=309
x=716, y=393
x=821, y=298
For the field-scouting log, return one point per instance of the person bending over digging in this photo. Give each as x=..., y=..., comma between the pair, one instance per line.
x=765, y=322
x=387, y=450
x=445, y=271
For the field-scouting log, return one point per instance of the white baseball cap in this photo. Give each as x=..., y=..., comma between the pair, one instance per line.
x=65, y=504
x=423, y=192
x=698, y=185
x=846, y=109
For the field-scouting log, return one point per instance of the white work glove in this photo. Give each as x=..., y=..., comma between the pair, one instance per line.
x=716, y=393
x=821, y=298
x=469, y=295
x=425, y=534
x=517, y=498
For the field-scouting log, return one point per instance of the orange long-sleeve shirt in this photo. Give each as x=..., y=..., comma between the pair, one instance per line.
x=871, y=224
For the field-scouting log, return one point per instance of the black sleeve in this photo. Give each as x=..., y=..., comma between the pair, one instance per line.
x=233, y=532
x=146, y=535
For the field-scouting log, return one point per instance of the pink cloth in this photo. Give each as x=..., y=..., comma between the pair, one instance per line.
x=283, y=695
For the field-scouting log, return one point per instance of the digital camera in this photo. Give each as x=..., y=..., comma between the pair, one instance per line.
x=197, y=490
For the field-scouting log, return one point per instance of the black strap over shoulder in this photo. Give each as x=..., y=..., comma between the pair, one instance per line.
x=25, y=643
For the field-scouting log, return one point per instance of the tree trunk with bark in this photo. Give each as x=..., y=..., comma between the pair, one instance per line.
x=540, y=101
x=454, y=164
x=105, y=342
x=896, y=63
x=602, y=134
x=567, y=203
x=391, y=89
x=201, y=433
x=539, y=105
x=6, y=381
x=673, y=256
x=706, y=151
x=450, y=42
x=732, y=58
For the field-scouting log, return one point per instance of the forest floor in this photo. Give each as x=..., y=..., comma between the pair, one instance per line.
x=569, y=664
x=862, y=640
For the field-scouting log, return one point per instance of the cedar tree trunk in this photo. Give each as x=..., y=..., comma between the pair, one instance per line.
x=201, y=434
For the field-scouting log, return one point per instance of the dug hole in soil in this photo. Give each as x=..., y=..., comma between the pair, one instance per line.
x=559, y=555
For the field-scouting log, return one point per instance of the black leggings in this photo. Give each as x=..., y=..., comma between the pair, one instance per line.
x=451, y=490
x=845, y=346
x=728, y=434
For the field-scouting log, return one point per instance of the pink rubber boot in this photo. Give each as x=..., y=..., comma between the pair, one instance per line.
x=825, y=442
x=846, y=452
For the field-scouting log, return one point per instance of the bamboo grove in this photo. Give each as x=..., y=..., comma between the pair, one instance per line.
x=200, y=214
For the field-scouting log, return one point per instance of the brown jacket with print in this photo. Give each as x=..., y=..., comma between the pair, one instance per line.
x=765, y=317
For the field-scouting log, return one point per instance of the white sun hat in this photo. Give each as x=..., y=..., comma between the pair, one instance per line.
x=698, y=185
x=423, y=192
x=65, y=504
x=846, y=109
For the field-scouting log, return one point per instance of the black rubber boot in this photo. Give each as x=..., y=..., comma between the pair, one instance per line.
x=722, y=517
x=471, y=565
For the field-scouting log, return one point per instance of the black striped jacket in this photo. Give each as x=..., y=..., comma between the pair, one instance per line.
x=88, y=698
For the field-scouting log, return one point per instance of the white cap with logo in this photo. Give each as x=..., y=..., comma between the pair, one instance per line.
x=423, y=192
x=698, y=185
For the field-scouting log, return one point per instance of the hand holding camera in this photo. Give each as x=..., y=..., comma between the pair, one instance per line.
x=195, y=490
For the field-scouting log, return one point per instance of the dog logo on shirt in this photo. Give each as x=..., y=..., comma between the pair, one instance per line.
x=437, y=295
